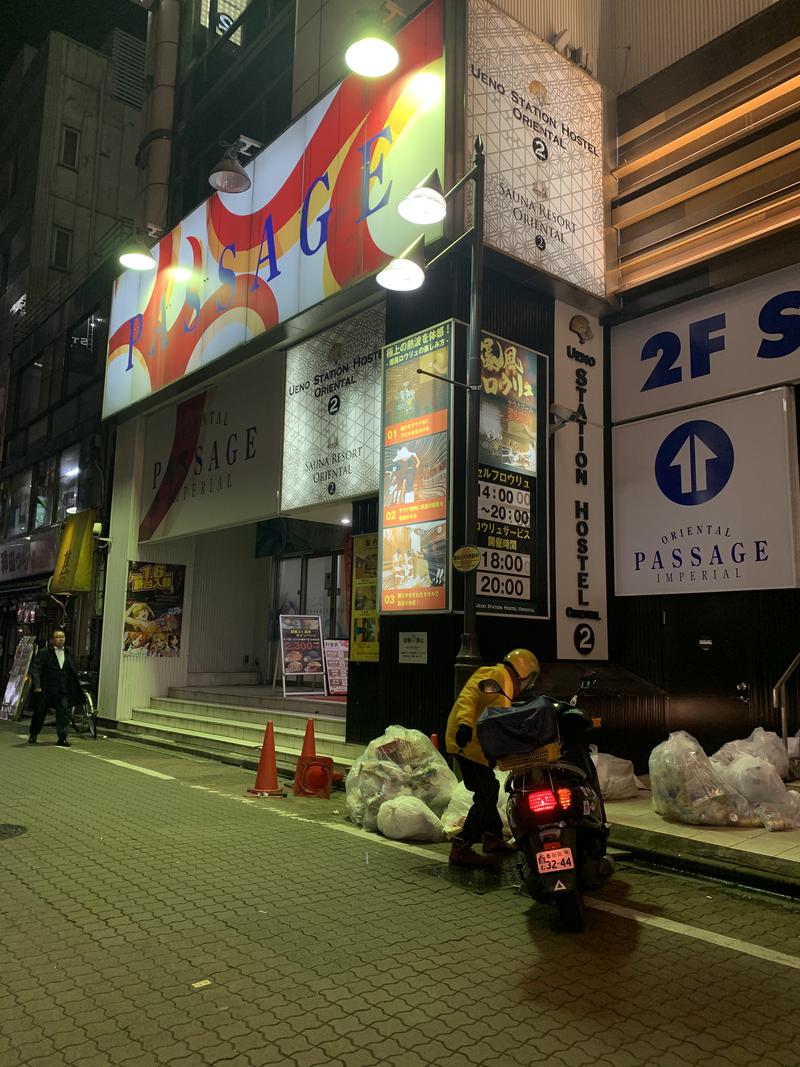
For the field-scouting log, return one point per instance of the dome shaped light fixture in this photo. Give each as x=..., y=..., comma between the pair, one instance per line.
x=229, y=176
x=425, y=204
x=136, y=255
x=372, y=54
x=407, y=271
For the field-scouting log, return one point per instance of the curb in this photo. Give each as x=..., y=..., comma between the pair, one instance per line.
x=767, y=873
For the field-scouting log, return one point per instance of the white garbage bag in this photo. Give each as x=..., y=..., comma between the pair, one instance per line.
x=616, y=776
x=687, y=787
x=763, y=744
x=409, y=819
x=461, y=801
x=758, y=781
x=399, y=763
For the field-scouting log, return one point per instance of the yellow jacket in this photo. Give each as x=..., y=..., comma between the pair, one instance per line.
x=469, y=705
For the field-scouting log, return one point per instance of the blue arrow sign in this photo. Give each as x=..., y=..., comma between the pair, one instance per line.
x=694, y=462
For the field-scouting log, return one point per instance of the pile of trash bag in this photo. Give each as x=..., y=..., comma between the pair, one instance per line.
x=409, y=819
x=691, y=788
x=399, y=763
x=763, y=744
x=616, y=777
x=461, y=801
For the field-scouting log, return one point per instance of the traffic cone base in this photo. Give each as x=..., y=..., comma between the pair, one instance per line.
x=267, y=773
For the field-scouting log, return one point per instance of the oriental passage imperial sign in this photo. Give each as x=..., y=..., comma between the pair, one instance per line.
x=321, y=214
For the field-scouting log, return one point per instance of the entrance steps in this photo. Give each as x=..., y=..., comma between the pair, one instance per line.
x=230, y=725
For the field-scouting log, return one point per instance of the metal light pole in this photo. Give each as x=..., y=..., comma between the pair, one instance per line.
x=469, y=658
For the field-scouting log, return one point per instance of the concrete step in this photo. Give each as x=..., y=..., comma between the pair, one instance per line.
x=222, y=678
x=333, y=726
x=231, y=735
x=257, y=697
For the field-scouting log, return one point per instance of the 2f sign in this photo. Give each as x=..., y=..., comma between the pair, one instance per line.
x=778, y=323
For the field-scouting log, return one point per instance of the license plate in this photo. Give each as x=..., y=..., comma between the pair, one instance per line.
x=556, y=859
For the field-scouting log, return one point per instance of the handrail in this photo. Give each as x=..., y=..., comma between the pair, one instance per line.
x=777, y=695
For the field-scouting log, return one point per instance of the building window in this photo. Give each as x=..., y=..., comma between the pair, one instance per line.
x=62, y=248
x=19, y=504
x=70, y=145
x=69, y=470
x=44, y=488
x=86, y=344
x=34, y=387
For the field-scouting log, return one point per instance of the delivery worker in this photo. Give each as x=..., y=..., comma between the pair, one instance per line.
x=518, y=671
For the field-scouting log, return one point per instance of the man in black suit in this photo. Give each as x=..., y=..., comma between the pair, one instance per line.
x=56, y=685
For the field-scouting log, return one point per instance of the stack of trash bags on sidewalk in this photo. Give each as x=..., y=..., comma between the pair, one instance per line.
x=740, y=785
x=403, y=787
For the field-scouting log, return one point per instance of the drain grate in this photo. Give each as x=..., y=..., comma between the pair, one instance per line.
x=7, y=830
x=476, y=880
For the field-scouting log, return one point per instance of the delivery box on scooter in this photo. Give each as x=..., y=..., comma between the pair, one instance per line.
x=521, y=728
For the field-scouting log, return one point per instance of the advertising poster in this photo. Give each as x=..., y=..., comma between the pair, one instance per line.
x=705, y=499
x=153, y=609
x=332, y=413
x=512, y=480
x=320, y=215
x=336, y=666
x=301, y=647
x=364, y=616
x=541, y=119
x=15, y=686
x=414, y=499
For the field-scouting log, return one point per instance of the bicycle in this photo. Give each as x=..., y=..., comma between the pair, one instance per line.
x=84, y=716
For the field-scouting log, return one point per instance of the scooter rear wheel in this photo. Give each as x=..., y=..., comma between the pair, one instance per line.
x=570, y=912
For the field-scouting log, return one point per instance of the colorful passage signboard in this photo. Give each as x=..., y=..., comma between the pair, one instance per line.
x=512, y=477
x=415, y=489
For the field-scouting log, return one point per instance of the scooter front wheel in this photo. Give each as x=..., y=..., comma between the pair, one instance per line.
x=570, y=911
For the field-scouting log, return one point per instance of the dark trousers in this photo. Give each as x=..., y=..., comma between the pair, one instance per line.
x=483, y=817
x=59, y=704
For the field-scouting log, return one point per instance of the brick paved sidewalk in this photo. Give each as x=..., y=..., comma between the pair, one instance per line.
x=328, y=947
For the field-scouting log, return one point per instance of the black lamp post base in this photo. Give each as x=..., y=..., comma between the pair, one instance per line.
x=467, y=661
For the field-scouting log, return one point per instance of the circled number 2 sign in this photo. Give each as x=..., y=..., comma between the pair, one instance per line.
x=584, y=639
x=694, y=462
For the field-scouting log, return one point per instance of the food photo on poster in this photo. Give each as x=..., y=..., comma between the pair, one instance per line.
x=153, y=610
x=415, y=481
x=414, y=561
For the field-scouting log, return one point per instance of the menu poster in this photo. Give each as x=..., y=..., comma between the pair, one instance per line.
x=511, y=530
x=336, y=665
x=415, y=487
x=16, y=679
x=301, y=647
x=364, y=617
x=153, y=610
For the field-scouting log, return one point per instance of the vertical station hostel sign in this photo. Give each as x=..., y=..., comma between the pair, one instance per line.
x=415, y=489
x=320, y=215
x=512, y=481
x=581, y=607
x=541, y=119
x=332, y=413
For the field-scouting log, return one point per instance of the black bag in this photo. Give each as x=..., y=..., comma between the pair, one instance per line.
x=522, y=728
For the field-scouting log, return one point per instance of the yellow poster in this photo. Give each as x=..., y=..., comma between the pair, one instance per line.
x=364, y=617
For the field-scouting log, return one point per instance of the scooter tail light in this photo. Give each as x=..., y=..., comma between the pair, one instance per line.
x=564, y=798
x=542, y=802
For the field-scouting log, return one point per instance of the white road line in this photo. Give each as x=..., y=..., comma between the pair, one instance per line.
x=713, y=938
x=127, y=766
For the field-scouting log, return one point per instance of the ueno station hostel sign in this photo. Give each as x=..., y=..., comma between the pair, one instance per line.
x=541, y=119
x=320, y=215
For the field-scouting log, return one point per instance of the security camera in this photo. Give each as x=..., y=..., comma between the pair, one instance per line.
x=561, y=415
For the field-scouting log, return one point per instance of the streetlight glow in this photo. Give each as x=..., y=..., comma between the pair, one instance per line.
x=425, y=204
x=137, y=256
x=372, y=57
x=407, y=271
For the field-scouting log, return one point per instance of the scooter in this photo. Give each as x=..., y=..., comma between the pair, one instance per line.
x=555, y=808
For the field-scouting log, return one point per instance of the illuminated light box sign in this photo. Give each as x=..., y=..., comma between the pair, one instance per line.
x=321, y=214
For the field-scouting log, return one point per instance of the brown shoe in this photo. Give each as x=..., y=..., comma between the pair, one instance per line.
x=496, y=846
x=462, y=854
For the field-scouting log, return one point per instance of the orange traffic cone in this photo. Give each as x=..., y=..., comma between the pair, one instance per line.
x=309, y=741
x=267, y=774
x=313, y=777
x=435, y=741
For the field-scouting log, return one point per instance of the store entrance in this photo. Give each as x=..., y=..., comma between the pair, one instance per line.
x=313, y=585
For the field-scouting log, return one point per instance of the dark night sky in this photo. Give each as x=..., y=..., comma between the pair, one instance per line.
x=88, y=21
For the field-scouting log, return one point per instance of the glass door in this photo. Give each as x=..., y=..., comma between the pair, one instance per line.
x=312, y=585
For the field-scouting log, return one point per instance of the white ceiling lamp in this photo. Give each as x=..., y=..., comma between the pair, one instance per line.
x=407, y=272
x=373, y=54
x=425, y=204
x=136, y=255
x=229, y=176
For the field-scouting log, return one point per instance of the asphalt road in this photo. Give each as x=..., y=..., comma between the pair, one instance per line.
x=152, y=914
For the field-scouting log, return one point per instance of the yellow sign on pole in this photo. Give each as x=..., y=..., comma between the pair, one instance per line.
x=73, y=573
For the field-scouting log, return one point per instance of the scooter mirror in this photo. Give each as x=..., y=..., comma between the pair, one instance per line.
x=489, y=685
